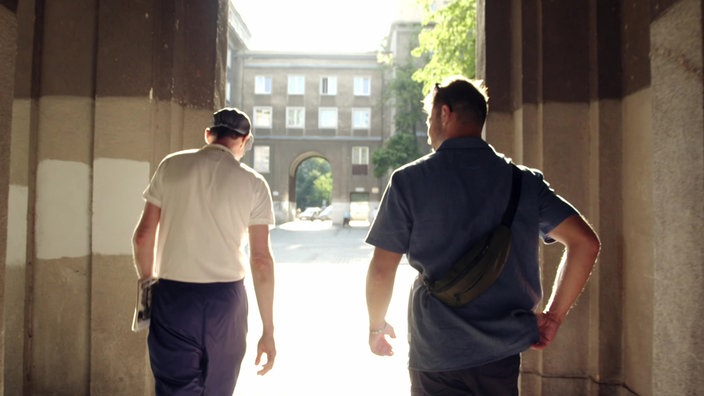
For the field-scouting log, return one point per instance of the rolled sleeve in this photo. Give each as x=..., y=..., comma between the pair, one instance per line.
x=553, y=209
x=392, y=226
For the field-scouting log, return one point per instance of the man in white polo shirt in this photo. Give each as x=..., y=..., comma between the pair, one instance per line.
x=206, y=205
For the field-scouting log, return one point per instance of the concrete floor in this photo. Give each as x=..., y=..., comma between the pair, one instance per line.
x=321, y=318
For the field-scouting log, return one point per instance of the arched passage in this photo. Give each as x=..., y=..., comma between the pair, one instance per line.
x=312, y=183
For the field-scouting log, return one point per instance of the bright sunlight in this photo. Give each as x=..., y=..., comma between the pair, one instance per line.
x=321, y=25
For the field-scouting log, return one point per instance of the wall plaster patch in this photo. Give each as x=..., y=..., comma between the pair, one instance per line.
x=117, y=203
x=62, y=209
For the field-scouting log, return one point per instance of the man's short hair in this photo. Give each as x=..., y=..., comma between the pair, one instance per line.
x=468, y=98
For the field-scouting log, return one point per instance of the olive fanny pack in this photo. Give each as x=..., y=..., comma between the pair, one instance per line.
x=479, y=268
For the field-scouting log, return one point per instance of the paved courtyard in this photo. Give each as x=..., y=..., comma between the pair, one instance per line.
x=321, y=318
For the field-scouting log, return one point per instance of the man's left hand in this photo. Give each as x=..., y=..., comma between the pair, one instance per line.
x=266, y=346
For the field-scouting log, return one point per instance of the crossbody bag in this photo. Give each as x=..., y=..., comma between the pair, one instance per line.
x=479, y=268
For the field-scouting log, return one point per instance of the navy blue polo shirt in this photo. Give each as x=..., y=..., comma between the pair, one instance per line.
x=433, y=210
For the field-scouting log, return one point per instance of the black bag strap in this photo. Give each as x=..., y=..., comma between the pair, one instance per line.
x=515, y=197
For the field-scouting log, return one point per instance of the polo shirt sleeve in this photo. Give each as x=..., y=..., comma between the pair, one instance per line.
x=154, y=191
x=552, y=208
x=392, y=225
x=262, y=207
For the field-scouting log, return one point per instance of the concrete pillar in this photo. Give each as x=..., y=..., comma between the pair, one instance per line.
x=678, y=186
x=106, y=90
x=159, y=76
x=62, y=148
x=637, y=232
x=566, y=164
x=606, y=364
x=496, y=71
x=8, y=38
x=16, y=276
x=538, y=60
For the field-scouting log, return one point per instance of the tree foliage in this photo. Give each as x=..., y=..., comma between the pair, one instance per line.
x=313, y=183
x=406, y=96
x=398, y=150
x=447, y=43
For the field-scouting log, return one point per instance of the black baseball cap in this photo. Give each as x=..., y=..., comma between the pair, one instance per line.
x=233, y=120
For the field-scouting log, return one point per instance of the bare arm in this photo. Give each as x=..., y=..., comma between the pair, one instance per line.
x=380, y=285
x=581, y=250
x=262, y=264
x=143, y=240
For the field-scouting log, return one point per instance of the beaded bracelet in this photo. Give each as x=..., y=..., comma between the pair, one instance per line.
x=378, y=331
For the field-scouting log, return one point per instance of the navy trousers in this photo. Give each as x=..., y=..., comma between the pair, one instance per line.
x=197, y=337
x=499, y=378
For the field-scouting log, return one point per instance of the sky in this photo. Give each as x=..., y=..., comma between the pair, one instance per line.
x=317, y=25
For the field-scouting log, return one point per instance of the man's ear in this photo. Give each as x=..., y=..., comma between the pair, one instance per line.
x=248, y=142
x=444, y=114
x=208, y=136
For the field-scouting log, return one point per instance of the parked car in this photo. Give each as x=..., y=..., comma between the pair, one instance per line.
x=325, y=214
x=309, y=213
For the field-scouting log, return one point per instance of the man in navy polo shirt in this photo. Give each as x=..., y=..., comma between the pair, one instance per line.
x=432, y=210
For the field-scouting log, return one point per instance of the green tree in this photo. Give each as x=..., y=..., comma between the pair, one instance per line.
x=398, y=150
x=313, y=183
x=406, y=96
x=447, y=43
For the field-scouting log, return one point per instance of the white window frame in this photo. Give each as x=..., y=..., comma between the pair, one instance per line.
x=364, y=113
x=362, y=85
x=262, y=155
x=296, y=84
x=260, y=120
x=328, y=85
x=322, y=111
x=360, y=155
x=295, y=117
x=262, y=85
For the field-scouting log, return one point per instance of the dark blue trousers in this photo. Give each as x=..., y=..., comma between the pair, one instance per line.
x=197, y=337
x=499, y=378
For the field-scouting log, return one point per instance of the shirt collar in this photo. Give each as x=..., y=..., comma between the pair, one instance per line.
x=218, y=147
x=468, y=142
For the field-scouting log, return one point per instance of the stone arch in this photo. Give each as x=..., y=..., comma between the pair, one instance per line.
x=293, y=170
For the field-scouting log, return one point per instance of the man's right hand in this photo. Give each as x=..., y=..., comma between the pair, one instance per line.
x=548, y=325
x=378, y=342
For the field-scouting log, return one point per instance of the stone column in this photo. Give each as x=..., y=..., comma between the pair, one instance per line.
x=678, y=181
x=159, y=75
x=636, y=206
x=60, y=155
x=8, y=40
x=106, y=89
x=538, y=58
x=16, y=275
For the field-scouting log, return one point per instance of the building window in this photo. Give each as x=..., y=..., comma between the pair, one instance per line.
x=262, y=85
x=361, y=118
x=328, y=85
x=362, y=86
x=327, y=117
x=296, y=85
x=360, y=160
x=228, y=88
x=261, y=159
x=295, y=117
x=262, y=117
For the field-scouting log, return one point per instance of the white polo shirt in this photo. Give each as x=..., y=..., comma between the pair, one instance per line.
x=208, y=200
